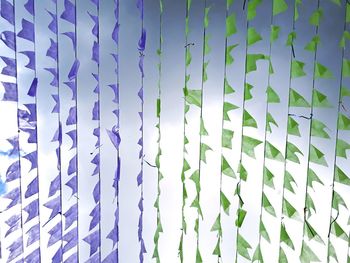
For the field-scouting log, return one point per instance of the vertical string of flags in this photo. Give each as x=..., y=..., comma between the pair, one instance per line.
x=71, y=237
x=294, y=99
x=141, y=49
x=55, y=190
x=13, y=172
x=185, y=163
x=159, y=228
x=226, y=133
x=248, y=144
x=339, y=175
x=115, y=138
x=32, y=190
x=94, y=236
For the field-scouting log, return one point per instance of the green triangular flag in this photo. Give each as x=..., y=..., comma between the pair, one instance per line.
x=316, y=156
x=249, y=144
x=320, y=100
x=322, y=71
x=253, y=36
x=296, y=100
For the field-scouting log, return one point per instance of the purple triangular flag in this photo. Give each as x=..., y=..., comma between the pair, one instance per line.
x=94, y=241
x=32, y=209
x=8, y=12
x=27, y=31
x=8, y=37
x=72, y=167
x=72, y=117
x=56, y=108
x=10, y=68
x=72, y=183
x=32, y=189
x=31, y=59
x=32, y=89
x=115, y=33
x=96, y=161
x=95, y=214
x=32, y=111
x=14, y=196
x=33, y=158
x=29, y=6
x=71, y=238
x=74, y=70
x=71, y=215
x=13, y=172
x=55, y=234
x=114, y=235
x=33, y=234
x=55, y=206
x=15, y=249
x=10, y=93
x=55, y=185
x=69, y=12
x=14, y=223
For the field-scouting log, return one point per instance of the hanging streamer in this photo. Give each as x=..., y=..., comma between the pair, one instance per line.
x=115, y=138
x=226, y=133
x=316, y=129
x=339, y=176
x=248, y=144
x=203, y=148
x=159, y=228
x=55, y=191
x=270, y=151
x=141, y=49
x=27, y=32
x=185, y=163
x=94, y=238
x=13, y=173
x=71, y=215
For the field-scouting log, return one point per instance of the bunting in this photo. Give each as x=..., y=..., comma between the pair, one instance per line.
x=141, y=49
x=114, y=136
x=185, y=163
x=94, y=238
x=71, y=216
x=55, y=191
x=159, y=228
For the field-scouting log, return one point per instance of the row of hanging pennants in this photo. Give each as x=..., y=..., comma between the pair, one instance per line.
x=21, y=220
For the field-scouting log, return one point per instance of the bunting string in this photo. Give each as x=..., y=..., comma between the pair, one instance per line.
x=32, y=208
x=159, y=228
x=141, y=49
x=248, y=144
x=72, y=214
x=339, y=176
x=226, y=133
x=185, y=163
x=115, y=138
x=94, y=236
x=306, y=253
x=287, y=209
x=270, y=151
x=56, y=232
x=13, y=173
